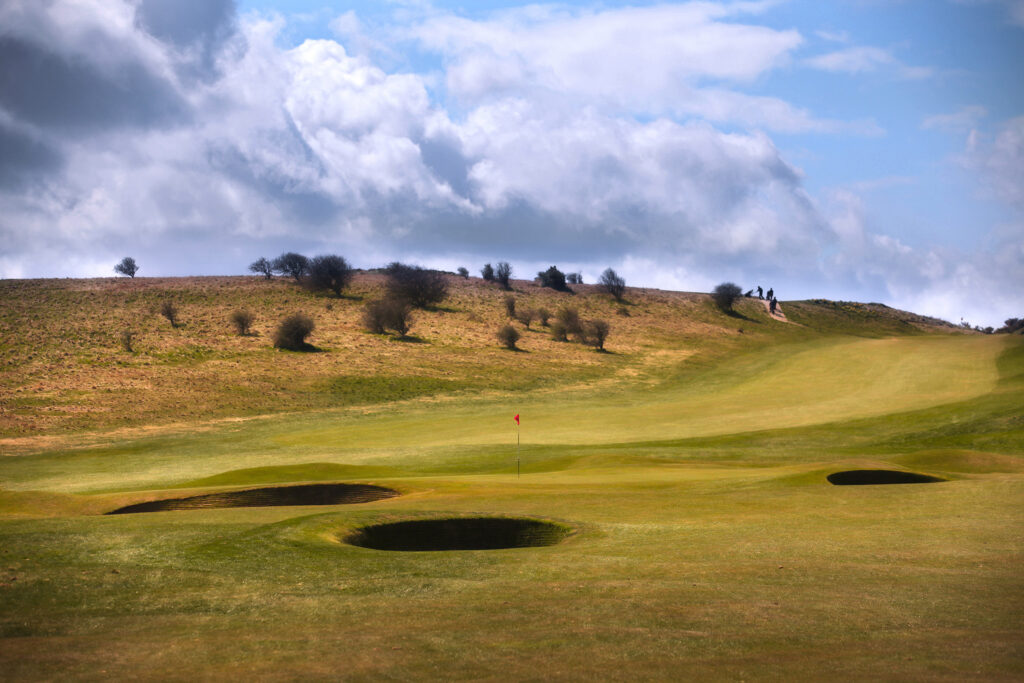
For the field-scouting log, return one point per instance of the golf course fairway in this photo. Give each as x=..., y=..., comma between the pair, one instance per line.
x=672, y=517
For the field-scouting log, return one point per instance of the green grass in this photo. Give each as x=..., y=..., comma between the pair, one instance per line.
x=707, y=542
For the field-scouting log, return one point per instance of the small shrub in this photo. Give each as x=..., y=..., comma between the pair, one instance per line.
x=127, y=266
x=169, y=311
x=595, y=333
x=375, y=317
x=126, y=338
x=388, y=314
x=725, y=295
x=242, y=320
x=487, y=272
x=292, y=332
x=613, y=284
x=543, y=315
x=508, y=336
x=503, y=274
x=558, y=331
x=526, y=316
x=417, y=286
x=510, y=305
x=570, y=319
x=574, y=278
x=262, y=266
x=463, y=273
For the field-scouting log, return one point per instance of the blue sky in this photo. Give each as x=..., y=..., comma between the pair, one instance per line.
x=861, y=149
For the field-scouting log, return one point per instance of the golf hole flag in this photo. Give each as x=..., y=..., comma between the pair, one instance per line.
x=516, y=418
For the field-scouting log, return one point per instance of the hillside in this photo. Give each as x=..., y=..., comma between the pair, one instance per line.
x=65, y=371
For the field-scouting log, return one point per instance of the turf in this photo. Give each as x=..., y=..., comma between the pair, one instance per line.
x=689, y=467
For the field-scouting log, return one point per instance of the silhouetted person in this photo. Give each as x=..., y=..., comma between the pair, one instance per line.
x=771, y=294
x=772, y=304
x=760, y=292
x=749, y=293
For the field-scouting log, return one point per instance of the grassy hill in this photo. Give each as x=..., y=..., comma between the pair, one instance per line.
x=689, y=466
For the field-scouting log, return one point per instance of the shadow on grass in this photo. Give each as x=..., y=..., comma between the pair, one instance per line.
x=305, y=348
x=411, y=339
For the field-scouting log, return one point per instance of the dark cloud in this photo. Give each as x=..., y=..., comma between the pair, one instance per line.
x=199, y=29
x=23, y=159
x=50, y=90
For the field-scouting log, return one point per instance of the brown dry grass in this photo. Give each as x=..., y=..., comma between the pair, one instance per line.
x=64, y=371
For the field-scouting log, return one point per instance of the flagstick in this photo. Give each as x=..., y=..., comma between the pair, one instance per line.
x=517, y=451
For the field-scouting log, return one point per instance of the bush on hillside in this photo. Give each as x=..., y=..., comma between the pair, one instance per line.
x=508, y=336
x=558, y=332
x=419, y=287
x=543, y=315
x=613, y=284
x=725, y=295
x=328, y=271
x=463, y=272
x=487, y=272
x=1012, y=326
x=570, y=321
x=510, y=306
x=388, y=314
x=169, y=311
x=126, y=338
x=526, y=316
x=595, y=332
x=553, y=278
x=242, y=320
x=127, y=266
x=292, y=332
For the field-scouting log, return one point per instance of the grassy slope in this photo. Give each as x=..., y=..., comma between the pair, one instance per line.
x=692, y=463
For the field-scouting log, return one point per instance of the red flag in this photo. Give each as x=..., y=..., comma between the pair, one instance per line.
x=516, y=418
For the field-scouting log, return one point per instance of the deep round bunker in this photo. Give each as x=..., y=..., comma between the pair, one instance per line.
x=459, y=533
x=301, y=494
x=878, y=477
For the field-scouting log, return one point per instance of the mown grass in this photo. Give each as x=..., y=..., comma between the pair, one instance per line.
x=707, y=540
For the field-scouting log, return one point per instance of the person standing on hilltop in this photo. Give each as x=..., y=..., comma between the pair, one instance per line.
x=760, y=292
x=771, y=294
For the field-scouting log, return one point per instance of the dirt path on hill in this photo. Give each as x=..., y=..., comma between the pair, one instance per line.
x=778, y=315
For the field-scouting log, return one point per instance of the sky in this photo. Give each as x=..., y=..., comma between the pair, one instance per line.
x=868, y=150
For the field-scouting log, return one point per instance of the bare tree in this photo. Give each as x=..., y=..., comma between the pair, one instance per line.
x=329, y=271
x=503, y=274
x=127, y=266
x=543, y=315
x=262, y=266
x=418, y=286
x=613, y=284
x=291, y=264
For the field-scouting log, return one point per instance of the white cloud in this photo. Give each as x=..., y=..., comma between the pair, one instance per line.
x=866, y=59
x=959, y=121
x=679, y=60
x=1000, y=162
